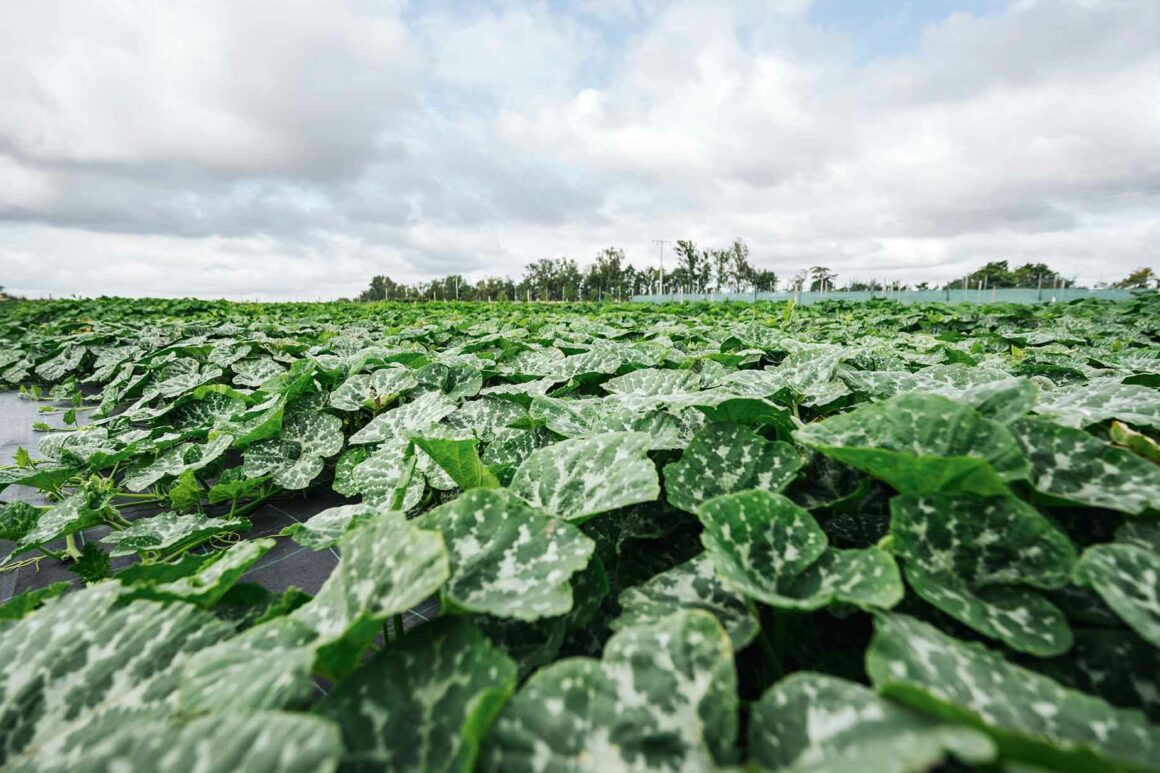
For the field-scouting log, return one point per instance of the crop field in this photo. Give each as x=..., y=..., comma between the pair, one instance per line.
x=849, y=536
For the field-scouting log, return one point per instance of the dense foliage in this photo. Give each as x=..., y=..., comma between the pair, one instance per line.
x=665, y=537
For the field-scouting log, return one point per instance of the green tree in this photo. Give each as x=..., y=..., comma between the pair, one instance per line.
x=821, y=279
x=1139, y=279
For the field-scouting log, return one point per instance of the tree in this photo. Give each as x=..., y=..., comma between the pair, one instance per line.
x=798, y=282
x=697, y=266
x=605, y=277
x=765, y=281
x=1139, y=280
x=821, y=279
x=740, y=272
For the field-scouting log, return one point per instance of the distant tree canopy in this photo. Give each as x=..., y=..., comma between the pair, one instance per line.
x=611, y=277
x=1140, y=279
x=997, y=274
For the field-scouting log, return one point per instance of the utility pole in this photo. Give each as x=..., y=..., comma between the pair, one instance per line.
x=662, y=243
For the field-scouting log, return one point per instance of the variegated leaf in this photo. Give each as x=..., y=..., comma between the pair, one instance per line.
x=1127, y=577
x=423, y=703
x=167, y=530
x=725, y=458
x=1031, y=718
x=178, y=459
x=577, y=479
x=814, y=722
x=771, y=550
x=405, y=419
x=1073, y=466
x=980, y=559
x=922, y=442
x=507, y=559
x=691, y=585
x=664, y=697
x=83, y=653
x=261, y=741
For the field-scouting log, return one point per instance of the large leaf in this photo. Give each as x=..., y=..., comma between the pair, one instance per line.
x=922, y=442
x=168, y=530
x=262, y=741
x=178, y=459
x=295, y=458
x=771, y=550
x=424, y=702
x=691, y=585
x=84, y=653
x=577, y=479
x=405, y=419
x=979, y=559
x=507, y=559
x=664, y=697
x=1071, y=465
x=212, y=577
x=814, y=722
x=459, y=458
x=1031, y=718
x=387, y=567
x=1127, y=577
x=724, y=458
x=324, y=529
x=1102, y=400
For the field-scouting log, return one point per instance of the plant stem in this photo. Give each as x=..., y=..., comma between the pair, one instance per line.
x=397, y=624
x=70, y=547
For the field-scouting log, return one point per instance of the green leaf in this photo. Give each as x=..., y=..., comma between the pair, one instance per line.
x=17, y=518
x=208, y=579
x=381, y=474
x=295, y=457
x=1119, y=433
x=387, y=567
x=691, y=585
x=93, y=564
x=177, y=460
x=423, y=703
x=1127, y=577
x=1031, y=718
x=1071, y=465
x=578, y=479
x=185, y=493
x=324, y=529
x=921, y=443
x=664, y=697
x=20, y=605
x=405, y=419
x=979, y=559
x=459, y=458
x=1099, y=401
x=507, y=559
x=168, y=530
x=771, y=550
x=815, y=722
x=266, y=740
x=79, y=511
x=84, y=653
x=725, y=458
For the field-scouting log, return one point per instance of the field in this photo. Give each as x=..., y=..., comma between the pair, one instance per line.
x=664, y=537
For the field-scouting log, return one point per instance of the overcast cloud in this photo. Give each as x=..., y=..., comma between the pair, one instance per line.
x=292, y=150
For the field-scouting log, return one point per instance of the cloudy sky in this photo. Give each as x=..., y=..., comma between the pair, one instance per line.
x=292, y=150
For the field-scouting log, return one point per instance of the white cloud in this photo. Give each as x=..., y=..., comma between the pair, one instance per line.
x=233, y=148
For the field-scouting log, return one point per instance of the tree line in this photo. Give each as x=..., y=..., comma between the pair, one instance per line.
x=612, y=277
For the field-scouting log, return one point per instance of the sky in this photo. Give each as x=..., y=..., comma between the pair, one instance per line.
x=227, y=148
